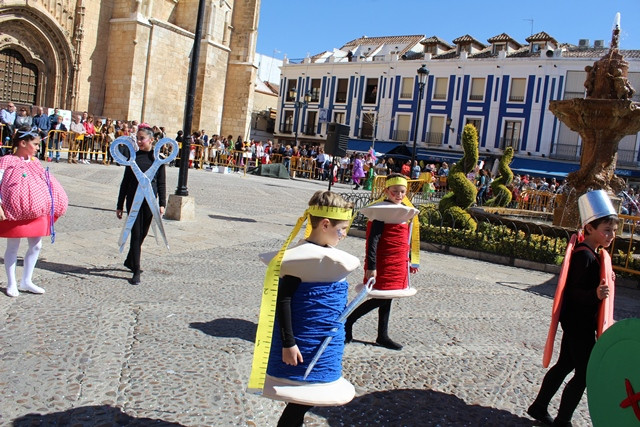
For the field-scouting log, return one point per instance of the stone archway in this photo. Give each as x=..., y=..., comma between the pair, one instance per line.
x=45, y=47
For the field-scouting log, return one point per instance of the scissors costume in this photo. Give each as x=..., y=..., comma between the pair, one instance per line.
x=143, y=188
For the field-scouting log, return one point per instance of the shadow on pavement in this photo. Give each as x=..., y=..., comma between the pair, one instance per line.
x=228, y=328
x=88, y=416
x=232, y=218
x=76, y=271
x=408, y=407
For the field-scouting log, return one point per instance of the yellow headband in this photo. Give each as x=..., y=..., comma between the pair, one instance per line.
x=340, y=214
x=396, y=180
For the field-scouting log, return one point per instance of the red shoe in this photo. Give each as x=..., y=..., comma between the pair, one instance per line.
x=48, y=159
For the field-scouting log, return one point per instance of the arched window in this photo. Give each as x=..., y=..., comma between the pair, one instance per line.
x=19, y=79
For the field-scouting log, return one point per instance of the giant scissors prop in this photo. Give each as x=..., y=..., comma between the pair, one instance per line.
x=145, y=190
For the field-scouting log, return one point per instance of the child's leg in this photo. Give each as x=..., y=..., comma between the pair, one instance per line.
x=10, y=260
x=384, y=312
x=552, y=381
x=581, y=347
x=293, y=415
x=30, y=259
x=362, y=309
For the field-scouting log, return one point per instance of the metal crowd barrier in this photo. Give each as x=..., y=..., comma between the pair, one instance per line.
x=536, y=200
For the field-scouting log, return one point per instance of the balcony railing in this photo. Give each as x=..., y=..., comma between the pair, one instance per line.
x=476, y=97
x=434, y=138
x=442, y=95
x=406, y=95
x=510, y=142
x=513, y=98
x=365, y=132
x=566, y=152
x=400, y=135
x=310, y=130
x=627, y=158
x=341, y=97
x=286, y=127
x=573, y=95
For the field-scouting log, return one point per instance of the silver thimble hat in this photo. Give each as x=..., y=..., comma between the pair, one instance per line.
x=593, y=205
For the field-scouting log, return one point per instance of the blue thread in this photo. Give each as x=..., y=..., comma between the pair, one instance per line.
x=315, y=308
x=51, y=215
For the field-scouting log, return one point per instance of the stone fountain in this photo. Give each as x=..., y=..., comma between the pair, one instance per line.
x=602, y=119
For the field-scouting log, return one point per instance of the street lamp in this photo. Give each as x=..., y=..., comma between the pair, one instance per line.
x=423, y=73
x=297, y=106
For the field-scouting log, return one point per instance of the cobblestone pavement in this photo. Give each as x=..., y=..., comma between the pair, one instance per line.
x=176, y=350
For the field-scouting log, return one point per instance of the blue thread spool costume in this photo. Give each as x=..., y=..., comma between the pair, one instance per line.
x=315, y=308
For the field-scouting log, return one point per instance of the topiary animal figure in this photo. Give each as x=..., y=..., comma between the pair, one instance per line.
x=501, y=194
x=462, y=192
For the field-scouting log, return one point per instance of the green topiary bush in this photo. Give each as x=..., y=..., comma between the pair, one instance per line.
x=501, y=194
x=462, y=192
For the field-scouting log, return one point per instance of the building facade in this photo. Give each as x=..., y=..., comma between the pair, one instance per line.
x=502, y=87
x=129, y=59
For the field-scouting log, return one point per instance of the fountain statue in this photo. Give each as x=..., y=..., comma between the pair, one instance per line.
x=605, y=116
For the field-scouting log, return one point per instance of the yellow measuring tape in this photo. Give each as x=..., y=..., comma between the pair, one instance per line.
x=267, y=315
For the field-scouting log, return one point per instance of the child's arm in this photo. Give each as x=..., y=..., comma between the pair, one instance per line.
x=290, y=353
x=375, y=233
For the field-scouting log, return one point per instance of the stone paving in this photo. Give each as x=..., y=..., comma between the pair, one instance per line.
x=176, y=350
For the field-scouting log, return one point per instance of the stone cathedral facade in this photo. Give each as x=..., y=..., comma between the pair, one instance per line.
x=129, y=59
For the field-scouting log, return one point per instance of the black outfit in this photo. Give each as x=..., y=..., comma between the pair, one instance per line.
x=578, y=317
x=383, y=305
x=128, y=189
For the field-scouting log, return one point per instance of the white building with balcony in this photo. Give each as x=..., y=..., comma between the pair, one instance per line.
x=503, y=87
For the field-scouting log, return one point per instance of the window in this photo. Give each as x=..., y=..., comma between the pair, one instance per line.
x=287, y=124
x=517, y=90
x=292, y=84
x=310, y=128
x=511, y=136
x=315, y=90
x=406, y=89
x=371, y=91
x=476, y=123
x=435, y=134
x=341, y=91
x=574, y=85
x=368, y=123
x=536, y=47
x=440, y=91
x=432, y=49
x=403, y=124
x=499, y=47
x=477, y=89
x=338, y=117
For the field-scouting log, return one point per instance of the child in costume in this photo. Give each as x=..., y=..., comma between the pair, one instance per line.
x=31, y=201
x=387, y=254
x=583, y=294
x=312, y=294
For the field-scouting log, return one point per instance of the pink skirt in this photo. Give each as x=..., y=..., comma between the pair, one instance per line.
x=36, y=227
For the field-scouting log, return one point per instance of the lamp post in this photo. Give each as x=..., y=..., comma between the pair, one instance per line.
x=423, y=73
x=297, y=106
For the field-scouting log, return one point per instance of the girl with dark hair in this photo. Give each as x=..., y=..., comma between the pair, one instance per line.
x=31, y=200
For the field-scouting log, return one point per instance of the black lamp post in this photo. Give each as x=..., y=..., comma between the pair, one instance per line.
x=423, y=73
x=297, y=106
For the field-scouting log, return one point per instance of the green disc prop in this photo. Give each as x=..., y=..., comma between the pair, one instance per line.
x=613, y=376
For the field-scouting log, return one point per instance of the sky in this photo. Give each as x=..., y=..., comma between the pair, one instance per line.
x=299, y=27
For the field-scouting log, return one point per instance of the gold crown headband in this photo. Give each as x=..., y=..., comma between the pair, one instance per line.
x=396, y=180
x=340, y=214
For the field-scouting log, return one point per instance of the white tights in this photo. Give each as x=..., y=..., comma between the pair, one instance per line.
x=30, y=259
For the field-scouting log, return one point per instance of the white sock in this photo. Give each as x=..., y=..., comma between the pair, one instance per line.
x=30, y=259
x=10, y=260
